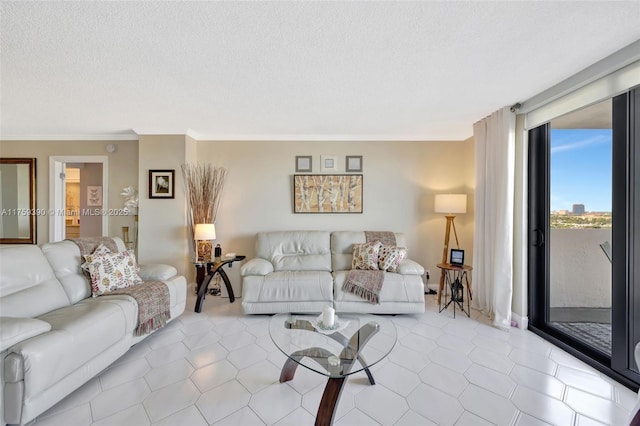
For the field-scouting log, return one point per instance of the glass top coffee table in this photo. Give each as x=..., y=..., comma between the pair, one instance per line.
x=359, y=342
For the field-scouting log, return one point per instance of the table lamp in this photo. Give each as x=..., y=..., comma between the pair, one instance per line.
x=449, y=204
x=203, y=232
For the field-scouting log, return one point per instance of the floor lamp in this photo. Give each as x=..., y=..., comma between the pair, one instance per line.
x=449, y=204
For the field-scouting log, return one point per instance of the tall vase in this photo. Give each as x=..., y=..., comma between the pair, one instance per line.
x=125, y=235
x=135, y=234
x=204, y=251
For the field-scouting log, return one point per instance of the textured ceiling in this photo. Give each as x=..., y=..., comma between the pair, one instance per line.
x=297, y=70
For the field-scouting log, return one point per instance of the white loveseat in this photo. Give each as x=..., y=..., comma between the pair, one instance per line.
x=54, y=335
x=302, y=271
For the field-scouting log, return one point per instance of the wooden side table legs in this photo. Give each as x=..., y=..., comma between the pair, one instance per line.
x=227, y=284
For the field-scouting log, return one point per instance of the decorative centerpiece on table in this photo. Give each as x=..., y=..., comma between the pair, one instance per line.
x=204, y=184
x=130, y=195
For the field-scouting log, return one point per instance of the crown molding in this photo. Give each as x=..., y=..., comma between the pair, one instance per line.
x=198, y=136
x=315, y=138
x=163, y=132
x=135, y=135
x=193, y=134
x=97, y=137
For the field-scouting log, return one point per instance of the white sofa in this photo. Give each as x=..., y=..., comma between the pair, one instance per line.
x=54, y=335
x=302, y=271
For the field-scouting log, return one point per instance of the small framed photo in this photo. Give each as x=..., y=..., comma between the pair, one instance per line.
x=457, y=257
x=354, y=163
x=94, y=196
x=303, y=163
x=328, y=163
x=162, y=183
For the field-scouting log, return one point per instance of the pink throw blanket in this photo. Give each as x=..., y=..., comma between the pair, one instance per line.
x=385, y=237
x=153, y=305
x=152, y=297
x=366, y=283
x=88, y=245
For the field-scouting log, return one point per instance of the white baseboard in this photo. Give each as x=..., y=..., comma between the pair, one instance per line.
x=523, y=322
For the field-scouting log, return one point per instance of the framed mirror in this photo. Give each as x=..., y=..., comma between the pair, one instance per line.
x=18, y=201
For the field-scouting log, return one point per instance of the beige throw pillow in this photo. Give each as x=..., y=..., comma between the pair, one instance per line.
x=389, y=257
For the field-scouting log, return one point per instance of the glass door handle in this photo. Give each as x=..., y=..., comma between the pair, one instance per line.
x=538, y=238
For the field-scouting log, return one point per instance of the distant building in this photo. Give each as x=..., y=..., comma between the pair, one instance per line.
x=578, y=209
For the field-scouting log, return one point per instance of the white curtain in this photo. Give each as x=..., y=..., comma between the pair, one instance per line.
x=494, y=139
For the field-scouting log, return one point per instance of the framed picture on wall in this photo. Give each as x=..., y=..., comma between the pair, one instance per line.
x=94, y=196
x=303, y=163
x=162, y=183
x=328, y=163
x=327, y=193
x=353, y=164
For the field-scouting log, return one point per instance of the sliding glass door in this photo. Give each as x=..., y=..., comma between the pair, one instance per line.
x=580, y=226
x=583, y=205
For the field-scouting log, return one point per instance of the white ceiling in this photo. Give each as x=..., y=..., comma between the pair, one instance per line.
x=295, y=70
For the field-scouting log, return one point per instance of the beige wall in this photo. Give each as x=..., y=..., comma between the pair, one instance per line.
x=90, y=175
x=123, y=171
x=400, y=180
x=162, y=233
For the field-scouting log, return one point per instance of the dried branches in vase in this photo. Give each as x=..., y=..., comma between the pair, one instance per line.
x=203, y=186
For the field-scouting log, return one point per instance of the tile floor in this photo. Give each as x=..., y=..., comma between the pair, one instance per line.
x=221, y=368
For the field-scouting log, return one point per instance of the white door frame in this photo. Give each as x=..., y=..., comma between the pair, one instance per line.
x=57, y=202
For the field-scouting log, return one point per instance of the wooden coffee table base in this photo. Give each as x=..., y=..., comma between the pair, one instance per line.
x=329, y=401
x=349, y=354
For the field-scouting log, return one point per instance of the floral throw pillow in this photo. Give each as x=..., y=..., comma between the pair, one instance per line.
x=101, y=250
x=389, y=257
x=111, y=271
x=365, y=256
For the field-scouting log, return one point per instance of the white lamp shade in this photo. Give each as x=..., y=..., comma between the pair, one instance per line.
x=204, y=231
x=450, y=203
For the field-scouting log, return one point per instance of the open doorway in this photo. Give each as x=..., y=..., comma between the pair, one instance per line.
x=78, y=197
x=581, y=190
x=72, y=202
